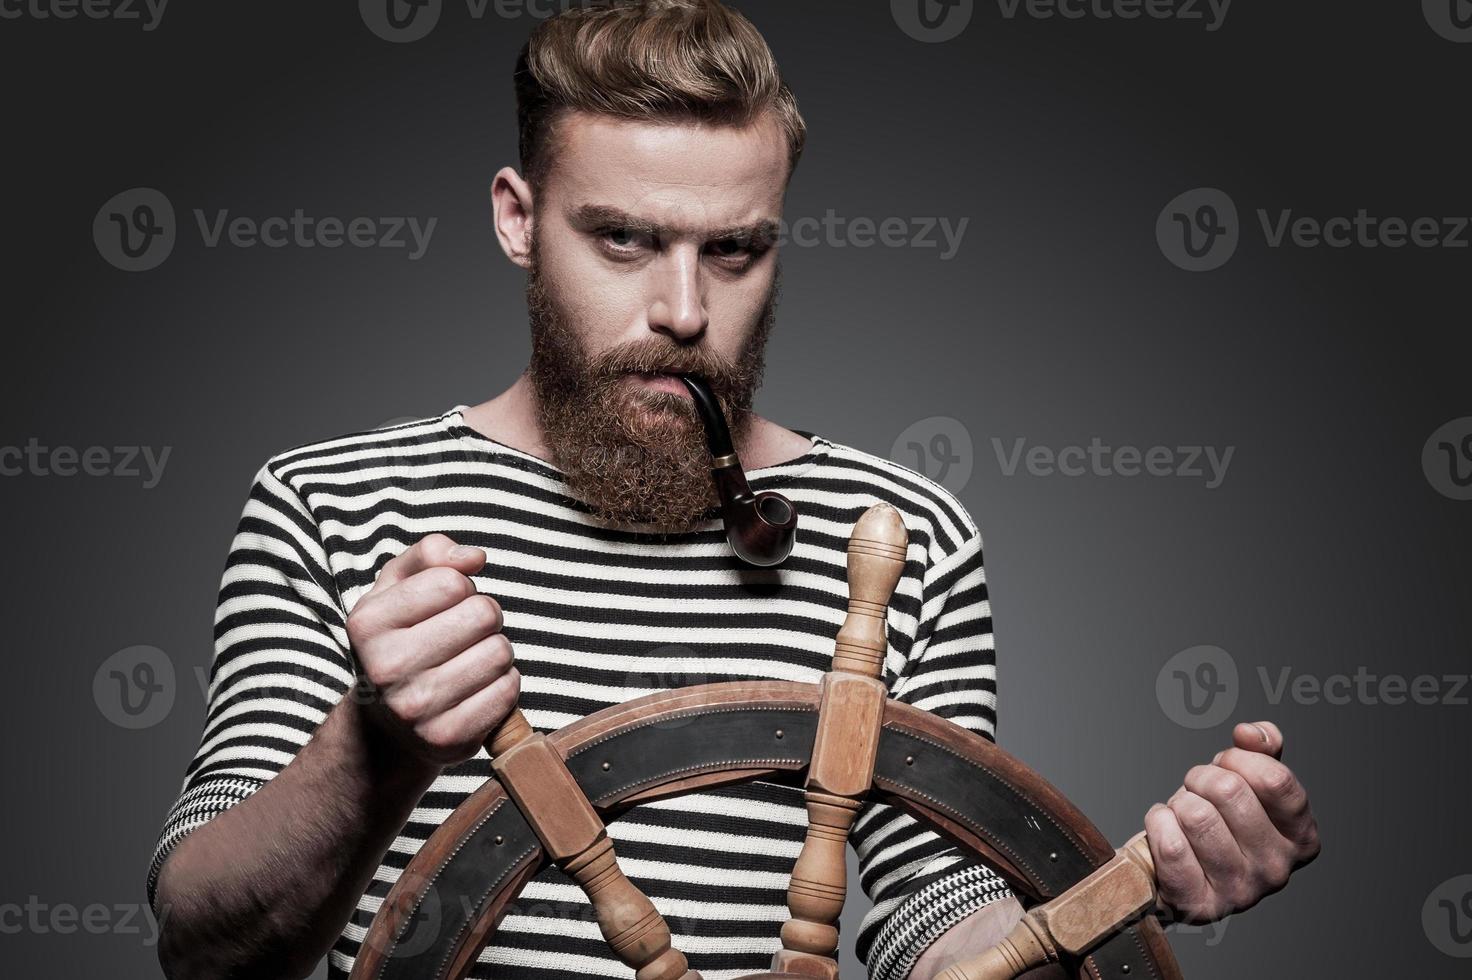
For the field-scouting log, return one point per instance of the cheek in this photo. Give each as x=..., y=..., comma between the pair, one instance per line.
x=599, y=303
x=736, y=310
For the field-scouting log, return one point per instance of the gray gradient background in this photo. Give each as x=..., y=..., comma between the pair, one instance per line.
x=1324, y=550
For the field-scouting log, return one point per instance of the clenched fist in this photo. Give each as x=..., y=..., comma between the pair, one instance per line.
x=433, y=651
x=1234, y=831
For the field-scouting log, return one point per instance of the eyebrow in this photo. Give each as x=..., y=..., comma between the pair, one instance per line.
x=590, y=217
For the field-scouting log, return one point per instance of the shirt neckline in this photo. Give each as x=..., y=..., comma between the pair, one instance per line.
x=792, y=468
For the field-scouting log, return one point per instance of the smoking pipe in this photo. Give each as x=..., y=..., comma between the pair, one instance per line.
x=761, y=527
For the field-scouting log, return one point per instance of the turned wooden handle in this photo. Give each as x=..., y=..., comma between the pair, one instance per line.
x=876, y=559
x=513, y=729
x=536, y=777
x=841, y=770
x=1117, y=893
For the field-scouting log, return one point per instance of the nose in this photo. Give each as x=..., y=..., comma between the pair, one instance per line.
x=678, y=306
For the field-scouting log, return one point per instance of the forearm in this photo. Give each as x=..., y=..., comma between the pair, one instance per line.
x=975, y=934
x=263, y=889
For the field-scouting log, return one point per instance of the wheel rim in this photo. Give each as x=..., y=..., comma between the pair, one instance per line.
x=675, y=742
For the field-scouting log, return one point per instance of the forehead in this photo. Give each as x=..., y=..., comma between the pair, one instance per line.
x=681, y=175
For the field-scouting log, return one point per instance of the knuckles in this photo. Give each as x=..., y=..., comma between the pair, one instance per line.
x=1195, y=814
x=361, y=624
x=411, y=704
x=1224, y=787
x=434, y=547
x=382, y=671
x=482, y=613
x=446, y=583
x=1279, y=782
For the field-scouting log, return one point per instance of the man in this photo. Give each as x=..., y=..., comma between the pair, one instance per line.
x=379, y=581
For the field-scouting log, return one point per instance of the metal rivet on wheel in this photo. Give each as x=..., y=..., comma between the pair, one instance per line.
x=1125, y=968
x=909, y=760
x=607, y=766
x=1053, y=856
x=500, y=839
x=779, y=733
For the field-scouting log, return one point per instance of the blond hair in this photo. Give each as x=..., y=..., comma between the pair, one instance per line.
x=674, y=60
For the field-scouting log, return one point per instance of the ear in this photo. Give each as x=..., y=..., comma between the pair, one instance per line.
x=511, y=204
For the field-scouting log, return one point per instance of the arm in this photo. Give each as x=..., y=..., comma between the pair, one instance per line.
x=922, y=885
x=298, y=789
x=263, y=889
x=972, y=936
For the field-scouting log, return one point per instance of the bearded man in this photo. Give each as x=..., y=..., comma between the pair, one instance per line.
x=572, y=518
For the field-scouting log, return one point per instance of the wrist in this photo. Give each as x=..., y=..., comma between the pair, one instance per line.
x=378, y=758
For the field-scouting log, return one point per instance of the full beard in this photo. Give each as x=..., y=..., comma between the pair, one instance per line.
x=632, y=455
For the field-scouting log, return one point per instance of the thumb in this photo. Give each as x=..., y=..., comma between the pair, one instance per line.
x=1259, y=736
x=465, y=559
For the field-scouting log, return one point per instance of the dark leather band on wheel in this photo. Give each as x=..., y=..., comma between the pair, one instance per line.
x=675, y=742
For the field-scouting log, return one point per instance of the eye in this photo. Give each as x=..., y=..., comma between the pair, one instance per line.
x=624, y=239
x=735, y=251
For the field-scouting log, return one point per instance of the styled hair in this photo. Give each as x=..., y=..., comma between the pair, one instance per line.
x=663, y=60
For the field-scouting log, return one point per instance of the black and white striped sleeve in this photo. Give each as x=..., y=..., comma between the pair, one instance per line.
x=919, y=882
x=280, y=660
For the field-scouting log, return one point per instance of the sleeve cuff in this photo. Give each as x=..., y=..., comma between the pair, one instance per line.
x=195, y=808
x=926, y=915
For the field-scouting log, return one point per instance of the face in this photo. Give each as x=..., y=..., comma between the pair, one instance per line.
x=651, y=251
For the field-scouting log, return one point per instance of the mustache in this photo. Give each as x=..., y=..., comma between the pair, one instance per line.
x=657, y=357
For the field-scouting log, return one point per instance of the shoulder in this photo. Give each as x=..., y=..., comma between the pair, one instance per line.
x=925, y=504
x=362, y=457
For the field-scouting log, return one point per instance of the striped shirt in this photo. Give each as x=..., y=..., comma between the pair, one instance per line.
x=597, y=617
